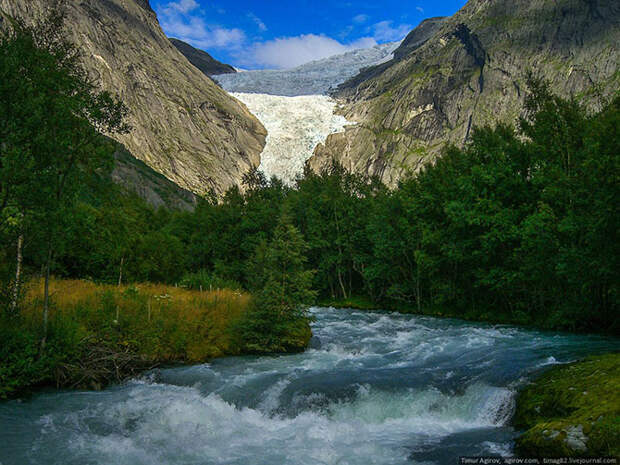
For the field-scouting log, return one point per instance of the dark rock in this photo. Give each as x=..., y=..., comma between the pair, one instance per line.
x=201, y=59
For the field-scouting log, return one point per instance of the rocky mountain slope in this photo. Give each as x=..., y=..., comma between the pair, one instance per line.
x=452, y=74
x=136, y=176
x=201, y=59
x=184, y=125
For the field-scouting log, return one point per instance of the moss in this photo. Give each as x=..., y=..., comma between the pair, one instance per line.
x=572, y=406
x=298, y=337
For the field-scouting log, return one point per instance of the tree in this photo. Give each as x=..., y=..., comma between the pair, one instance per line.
x=52, y=118
x=278, y=320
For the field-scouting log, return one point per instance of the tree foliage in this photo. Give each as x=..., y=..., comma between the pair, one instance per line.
x=520, y=225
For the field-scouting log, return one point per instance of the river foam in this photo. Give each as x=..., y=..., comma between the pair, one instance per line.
x=378, y=388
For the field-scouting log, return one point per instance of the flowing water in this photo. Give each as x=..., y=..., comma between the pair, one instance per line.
x=375, y=388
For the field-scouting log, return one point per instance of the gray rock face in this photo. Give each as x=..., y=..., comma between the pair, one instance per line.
x=184, y=125
x=201, y=59
x=136, y=176
x=452, y=74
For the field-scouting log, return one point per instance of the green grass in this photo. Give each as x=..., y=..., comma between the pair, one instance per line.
x=581, y=400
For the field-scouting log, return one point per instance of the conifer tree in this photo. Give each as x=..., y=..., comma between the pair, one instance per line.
x=279, y=320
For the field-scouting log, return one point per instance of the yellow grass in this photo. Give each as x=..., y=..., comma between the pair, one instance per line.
x=163, y=323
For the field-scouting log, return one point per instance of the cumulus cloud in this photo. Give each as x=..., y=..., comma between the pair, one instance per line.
x=420, y=9
x=386, y=31
x=288, y=52
x=183, y=6
x=185, y=20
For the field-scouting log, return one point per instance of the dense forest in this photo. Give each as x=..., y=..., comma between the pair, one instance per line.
x=519, y=226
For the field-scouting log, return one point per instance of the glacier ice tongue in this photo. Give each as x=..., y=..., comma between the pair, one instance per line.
x=295, y=126
x=293, y=106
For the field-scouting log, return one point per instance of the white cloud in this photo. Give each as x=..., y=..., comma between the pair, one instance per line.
x=259, y=22
x=360, y=19
x=420, y=9
x=288, y=52
x=183, y=6
x=385, y=31
x=185, y=20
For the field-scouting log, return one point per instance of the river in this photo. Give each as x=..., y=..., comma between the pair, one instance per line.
x=374, y=388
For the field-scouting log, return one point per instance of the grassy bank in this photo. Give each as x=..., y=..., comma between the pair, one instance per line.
x=100, y=334
x=572, y=410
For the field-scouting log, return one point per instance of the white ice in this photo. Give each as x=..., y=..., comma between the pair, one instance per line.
x=295, y=126
x=294, y=107
x=314, y=78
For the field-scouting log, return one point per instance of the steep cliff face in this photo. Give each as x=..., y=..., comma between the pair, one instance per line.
x=452, y=74
x=184, y=125
x=136, y=176
x=201, y=59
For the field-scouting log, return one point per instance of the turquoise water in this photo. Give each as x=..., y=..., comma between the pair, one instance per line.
x=374, y=388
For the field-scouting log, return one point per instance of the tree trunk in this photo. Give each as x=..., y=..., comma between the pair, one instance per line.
x=18, y=273
x=344, y=291
x=417, y=280
x=46, y=294
x=417, y=283
x=120, y=273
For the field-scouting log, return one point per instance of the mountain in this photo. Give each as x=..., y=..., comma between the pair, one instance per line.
x=136, y=176
x=451, y=74
x=294, y=107
x=184, y=126
x=201, y=59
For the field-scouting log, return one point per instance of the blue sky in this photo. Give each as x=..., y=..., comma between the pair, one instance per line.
x=283, y=34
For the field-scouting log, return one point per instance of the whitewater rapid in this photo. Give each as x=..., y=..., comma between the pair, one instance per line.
x=378, y=388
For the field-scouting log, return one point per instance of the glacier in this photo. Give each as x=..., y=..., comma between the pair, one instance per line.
x=294, y=105
x=295, y=126
x=313, y=78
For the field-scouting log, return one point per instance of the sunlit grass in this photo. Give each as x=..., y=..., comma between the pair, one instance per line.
x=99, y=334
x=165, y=323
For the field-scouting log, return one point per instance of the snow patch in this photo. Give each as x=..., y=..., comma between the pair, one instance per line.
x=314, y=78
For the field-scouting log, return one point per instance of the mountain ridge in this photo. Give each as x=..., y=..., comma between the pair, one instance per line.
x=201, y=59
x=469, y=72
x=184, y=125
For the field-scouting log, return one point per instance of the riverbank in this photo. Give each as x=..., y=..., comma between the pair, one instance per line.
x=572, y=410
x=103, y=334
x=376, y=388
